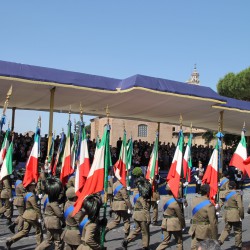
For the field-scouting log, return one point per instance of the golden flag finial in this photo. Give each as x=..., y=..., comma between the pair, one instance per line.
x=69, y=111
x=191, y=127
x=107, y=113
x=81, y=112
x=181, y=120
x=6, y=103
x=39, y=122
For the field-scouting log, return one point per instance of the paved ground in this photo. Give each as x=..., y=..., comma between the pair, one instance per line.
x=115, y=237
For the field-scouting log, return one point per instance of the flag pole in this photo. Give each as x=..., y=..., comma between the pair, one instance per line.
x=106, y=159
x=5, y=106
x=187, y=177
x=219, y=135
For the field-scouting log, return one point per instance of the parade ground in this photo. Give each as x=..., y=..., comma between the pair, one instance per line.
x=114, y=238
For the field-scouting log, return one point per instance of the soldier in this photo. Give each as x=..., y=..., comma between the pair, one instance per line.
x=18, y=202
x=6, y=196
x=90, y=225
x=71, y=181
x=110, y=191
x=53, y=215
x=224, y=181
x=155, y=201
x=204, y=223
x=233, y=216
x=31, y=216
x=141, y=214
x=71, y=235
x=122, y=208
x=173, y=221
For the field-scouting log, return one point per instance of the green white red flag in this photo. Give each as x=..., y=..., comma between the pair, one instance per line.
x=153, y=168
x=129, y=160
x=59, y=154
x=174, y=175
x=31, y=172
x=66, y=169
x=187, y=160
x=95, y=179
x=83, y=164
x=120, y=166
x=4, y=147
x=7, y=166
x=240, y=155
x=211, y=175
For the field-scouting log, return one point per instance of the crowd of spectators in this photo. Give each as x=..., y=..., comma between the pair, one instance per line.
x=141, y=152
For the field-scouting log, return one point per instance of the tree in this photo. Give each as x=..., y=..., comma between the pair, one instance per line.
x=208, y=137
x=235, y=85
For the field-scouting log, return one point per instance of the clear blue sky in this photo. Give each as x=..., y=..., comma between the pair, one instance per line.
x=122, y=38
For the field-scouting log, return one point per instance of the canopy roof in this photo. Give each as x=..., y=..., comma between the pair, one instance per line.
x=137, y=97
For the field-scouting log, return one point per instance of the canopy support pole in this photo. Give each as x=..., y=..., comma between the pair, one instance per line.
x=159, y=124
x=13, y=118
x=51, y=113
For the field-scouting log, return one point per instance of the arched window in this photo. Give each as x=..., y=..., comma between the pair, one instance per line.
x=142, y=130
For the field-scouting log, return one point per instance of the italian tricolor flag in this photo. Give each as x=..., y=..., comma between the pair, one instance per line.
x=211, y=175
x=153, y=162
x=5, y=146
x=174, y=175
x=95, y=179
x=187, y=160
x=31, y=172
x=66, y=169
x=121, y=165
x=7, y=167
x=83, y=165
x=240, y=154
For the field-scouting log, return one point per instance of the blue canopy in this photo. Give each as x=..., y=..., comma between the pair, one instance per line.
x=137, y=97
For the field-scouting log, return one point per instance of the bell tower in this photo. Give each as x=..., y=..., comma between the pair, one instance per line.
x=194, y=79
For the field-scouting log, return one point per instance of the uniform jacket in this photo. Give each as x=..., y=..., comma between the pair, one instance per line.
x=141, y=210
x=71, y=234
x=176, y=221
x=19, y=200
x=121, y=199
x=90, y=237
x=233, y=210
x=207, y=215
x=223, y=188
x=53, y=216
x=71, y=182
x=110, y=185
x=32, y=210
x=6, y=192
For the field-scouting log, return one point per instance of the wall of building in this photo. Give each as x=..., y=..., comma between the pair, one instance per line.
x=131, y=126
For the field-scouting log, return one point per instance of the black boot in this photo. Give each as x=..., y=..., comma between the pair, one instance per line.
x=8, y=222
x=12, y=227
x=125, y=243
x=8, y=244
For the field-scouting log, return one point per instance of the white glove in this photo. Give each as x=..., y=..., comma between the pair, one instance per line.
x=217, y=206
x=40, y=220
x=157, y=202
x=196, y=177
x=183, y=229
x=128, y=188
x=185, y=184
x=197, y=169
x=11, y=199
x=129, y=211
x=218, y=184
x=40, y=196
x=199, y=181
x=130, y=177
x=217, y=213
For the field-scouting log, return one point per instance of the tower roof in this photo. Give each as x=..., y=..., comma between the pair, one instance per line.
x=194, y=79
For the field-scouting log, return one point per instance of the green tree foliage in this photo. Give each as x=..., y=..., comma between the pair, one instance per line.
x=235, y=85
x=231, y=140
x=208, y=137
